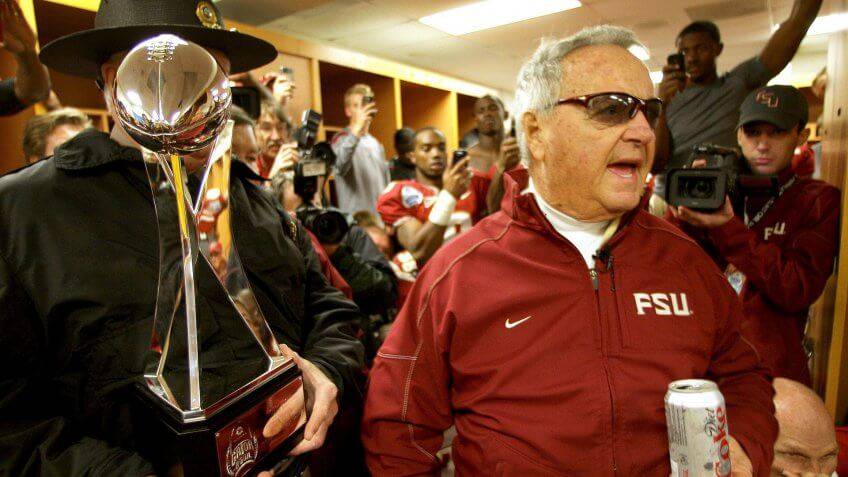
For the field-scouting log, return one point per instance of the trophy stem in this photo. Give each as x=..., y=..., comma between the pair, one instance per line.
x=188, y=277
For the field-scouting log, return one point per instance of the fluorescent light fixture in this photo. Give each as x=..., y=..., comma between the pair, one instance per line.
x=640, y=52
x=656, y=76
x=493, y=13
x=825, y=24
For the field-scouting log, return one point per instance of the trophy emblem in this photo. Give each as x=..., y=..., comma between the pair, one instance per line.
x=212, y=378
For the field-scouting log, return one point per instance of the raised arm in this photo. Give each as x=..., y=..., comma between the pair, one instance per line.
x=784, y=42
x=32, y=82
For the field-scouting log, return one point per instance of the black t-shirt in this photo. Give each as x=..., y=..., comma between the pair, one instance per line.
x=9, y=102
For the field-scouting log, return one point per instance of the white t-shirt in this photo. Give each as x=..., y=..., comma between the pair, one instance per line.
x=586, y=236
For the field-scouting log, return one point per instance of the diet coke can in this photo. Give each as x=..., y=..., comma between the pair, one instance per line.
x=697, y=429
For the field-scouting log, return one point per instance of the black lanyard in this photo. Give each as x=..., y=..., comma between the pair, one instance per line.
x=750, y=223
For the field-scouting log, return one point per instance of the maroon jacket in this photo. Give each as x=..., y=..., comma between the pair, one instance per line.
x=787, y=258
x=549, y=369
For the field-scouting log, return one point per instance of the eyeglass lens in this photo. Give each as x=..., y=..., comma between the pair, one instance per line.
x=616, y=109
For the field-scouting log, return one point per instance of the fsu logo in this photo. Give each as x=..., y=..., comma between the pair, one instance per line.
x=663, y=304
x=242, y=450
x=768, y=98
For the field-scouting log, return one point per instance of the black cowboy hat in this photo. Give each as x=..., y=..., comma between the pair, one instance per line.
x=122, y=24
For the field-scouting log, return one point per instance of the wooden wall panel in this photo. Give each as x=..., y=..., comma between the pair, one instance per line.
x=465, y=113
x=835, y=150
x=424, y=106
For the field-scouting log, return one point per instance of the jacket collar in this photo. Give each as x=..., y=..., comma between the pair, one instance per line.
x=523, y=209
x=92, y=148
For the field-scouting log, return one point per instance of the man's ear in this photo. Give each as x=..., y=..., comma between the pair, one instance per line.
x=719, y=49
x=803, y=137
x=533, y=135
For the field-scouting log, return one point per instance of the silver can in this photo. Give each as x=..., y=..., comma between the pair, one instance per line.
x=697, y=429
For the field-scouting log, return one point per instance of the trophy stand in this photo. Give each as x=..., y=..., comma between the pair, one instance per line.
x=214, y=374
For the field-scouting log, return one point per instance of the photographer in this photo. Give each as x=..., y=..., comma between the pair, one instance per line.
x=702, y=107
x=361, y=171
x=351, y=250
x=777, y=250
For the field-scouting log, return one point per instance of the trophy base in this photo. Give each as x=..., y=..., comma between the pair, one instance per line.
x=230, y=443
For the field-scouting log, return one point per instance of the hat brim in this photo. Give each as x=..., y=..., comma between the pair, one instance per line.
x=783, y=121
x=82, y=53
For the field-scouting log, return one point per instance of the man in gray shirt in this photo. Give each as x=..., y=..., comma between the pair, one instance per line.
x=702, y=107
x=361, y=171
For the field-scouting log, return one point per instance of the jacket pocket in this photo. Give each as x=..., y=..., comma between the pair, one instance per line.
x=666, y=314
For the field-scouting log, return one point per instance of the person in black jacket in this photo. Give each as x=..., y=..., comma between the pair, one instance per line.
x=79, y=266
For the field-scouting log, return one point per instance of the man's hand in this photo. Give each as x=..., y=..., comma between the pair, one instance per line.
x=740, y=463
x=509, y=156
x=457, y=178
x=702, y=219
x=361, y=117
x=321, y=405
x=18, y=37
x=673, y=82
x=286, y=159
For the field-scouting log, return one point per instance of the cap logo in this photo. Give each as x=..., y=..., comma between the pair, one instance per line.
x=206, y=14
x=768, y=98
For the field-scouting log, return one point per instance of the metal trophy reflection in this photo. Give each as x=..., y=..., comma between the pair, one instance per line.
x=173, y=98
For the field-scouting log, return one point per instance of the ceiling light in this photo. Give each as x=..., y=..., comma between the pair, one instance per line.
x=656, y=76
x=640, y=52
x=493, y=13
x=825, y=24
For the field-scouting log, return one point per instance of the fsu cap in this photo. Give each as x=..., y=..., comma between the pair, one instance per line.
x=780, y=105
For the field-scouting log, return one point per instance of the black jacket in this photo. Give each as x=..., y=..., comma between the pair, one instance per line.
x=367, y=271
x=78, y=277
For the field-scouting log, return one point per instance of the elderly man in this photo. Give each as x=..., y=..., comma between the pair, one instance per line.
x=549, y=333
x=79, y=269
x=806, y=445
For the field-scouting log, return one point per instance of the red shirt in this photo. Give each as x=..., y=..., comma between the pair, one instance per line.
x=546, y=371
x=403, y=200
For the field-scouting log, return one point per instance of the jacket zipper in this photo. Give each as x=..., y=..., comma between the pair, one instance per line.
x=593, y=275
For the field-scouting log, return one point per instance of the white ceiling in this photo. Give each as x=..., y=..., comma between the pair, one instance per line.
x=389, y=29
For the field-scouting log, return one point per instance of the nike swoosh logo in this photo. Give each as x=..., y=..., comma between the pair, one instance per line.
x=510, y=325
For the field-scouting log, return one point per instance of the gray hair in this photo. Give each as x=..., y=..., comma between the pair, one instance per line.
x=540, y=78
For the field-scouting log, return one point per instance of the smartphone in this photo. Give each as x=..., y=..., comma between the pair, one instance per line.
x=459, y=155
x=679, y=60
x=287, y=72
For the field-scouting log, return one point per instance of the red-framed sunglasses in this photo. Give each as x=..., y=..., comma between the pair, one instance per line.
x=613, y=108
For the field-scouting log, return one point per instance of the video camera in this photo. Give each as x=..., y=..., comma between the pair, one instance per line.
x=316, y=160
x=726, y=174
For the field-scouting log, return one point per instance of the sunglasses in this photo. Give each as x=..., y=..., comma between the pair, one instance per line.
x=617, y=108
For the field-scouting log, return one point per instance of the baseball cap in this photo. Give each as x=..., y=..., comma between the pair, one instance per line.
x=780, y=105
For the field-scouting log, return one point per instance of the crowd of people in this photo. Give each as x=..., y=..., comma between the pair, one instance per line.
x=516, y=306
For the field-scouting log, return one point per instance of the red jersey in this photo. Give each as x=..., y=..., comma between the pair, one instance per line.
x=403, y=200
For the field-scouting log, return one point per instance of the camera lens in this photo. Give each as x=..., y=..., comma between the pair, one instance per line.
x=700, y=188
x=329, y=226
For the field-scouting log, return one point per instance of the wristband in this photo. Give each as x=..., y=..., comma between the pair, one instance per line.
x=443, y=209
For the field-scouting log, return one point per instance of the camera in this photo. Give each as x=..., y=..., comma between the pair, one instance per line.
x=726, y=174
x=329, y=225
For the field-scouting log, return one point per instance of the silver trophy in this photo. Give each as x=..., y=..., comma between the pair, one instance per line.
x=214, y=373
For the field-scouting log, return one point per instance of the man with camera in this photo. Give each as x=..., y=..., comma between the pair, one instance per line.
x=703, y=107
x=548, y=334
x=361, y=172
x=778, y=247
x=79, y=269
